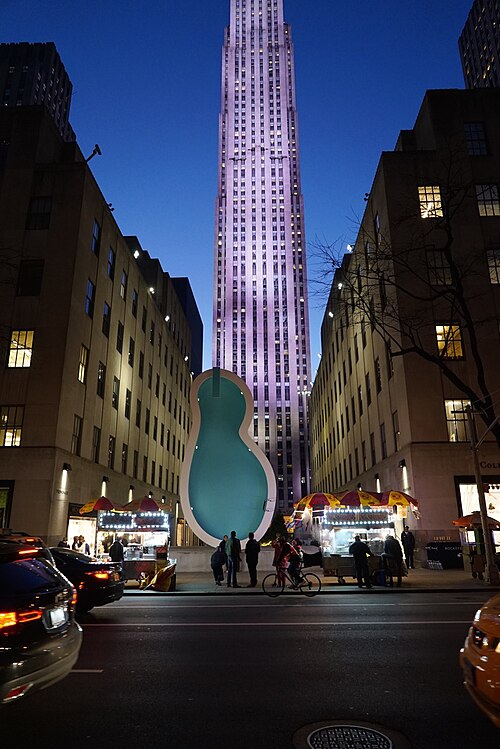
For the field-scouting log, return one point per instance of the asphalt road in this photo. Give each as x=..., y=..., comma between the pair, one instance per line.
x=247, y=672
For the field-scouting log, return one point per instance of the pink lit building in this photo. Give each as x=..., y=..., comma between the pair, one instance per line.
x=261, y=326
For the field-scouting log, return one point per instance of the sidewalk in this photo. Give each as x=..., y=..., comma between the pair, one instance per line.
x=418, y=581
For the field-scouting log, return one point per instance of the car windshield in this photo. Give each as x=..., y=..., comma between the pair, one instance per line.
x=69, y=554
x=24, y=575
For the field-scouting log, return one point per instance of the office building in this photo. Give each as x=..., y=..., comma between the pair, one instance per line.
x=34, y=74
x=260, y=316
x=479, y=45
x=411, y=332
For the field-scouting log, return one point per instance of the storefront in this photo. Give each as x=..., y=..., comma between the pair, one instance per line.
x=144, y=535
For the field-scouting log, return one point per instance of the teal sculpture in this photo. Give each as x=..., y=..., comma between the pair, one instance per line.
x=227, y=483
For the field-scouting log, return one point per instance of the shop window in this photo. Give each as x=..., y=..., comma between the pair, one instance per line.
x=11, y=425
x=430, y=201
x=456, y=419
x=449, y=341
x=21, y=348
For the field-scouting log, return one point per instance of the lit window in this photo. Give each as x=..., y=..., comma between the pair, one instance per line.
x=494, y=265
x=82, y=364
x=21, y=348
x=487, y=200
x=430, y=201
x=11, y=424
x=449, y=341
x=456, y=419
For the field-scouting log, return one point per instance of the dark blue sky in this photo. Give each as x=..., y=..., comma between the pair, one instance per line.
x=146, y=79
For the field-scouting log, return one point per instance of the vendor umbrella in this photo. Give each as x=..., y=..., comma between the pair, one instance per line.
x=394, y=497
x=475, y=519
x=103, y=503
x=358, y=498
x=317, y=501
x=142, y=504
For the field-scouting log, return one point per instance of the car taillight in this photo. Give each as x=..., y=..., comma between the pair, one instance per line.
x=11, y=618
x=74, y=597
x=99, y=575
x=32, y=552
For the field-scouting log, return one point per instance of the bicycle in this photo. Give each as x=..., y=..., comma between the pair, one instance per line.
x=308, y=583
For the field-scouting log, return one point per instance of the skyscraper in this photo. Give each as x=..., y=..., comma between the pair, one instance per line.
x=479, y=45
x=261, y=326
x=34, y=74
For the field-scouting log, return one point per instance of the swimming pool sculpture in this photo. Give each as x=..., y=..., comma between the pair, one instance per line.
x=227, y=483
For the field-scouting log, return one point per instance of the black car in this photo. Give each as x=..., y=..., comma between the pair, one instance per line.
x=39, y=637
x=96, y=582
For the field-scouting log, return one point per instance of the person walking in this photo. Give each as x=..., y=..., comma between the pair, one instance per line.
x=116, y=551
x=361, y=551
x=217, y=562
x=408, y=541
x=252, y=551
x=233, y=553
x=393, y=560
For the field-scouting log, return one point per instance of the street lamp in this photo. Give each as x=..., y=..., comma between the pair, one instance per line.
x=492, y=574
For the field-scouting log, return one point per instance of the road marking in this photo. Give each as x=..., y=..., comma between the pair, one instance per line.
x=275, y=624
x=87, y=670
x=285, y=605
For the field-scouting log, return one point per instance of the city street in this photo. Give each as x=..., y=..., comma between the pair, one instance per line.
x=249, y=671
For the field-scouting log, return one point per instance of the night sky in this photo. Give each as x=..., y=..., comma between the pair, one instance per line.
x=146, y=78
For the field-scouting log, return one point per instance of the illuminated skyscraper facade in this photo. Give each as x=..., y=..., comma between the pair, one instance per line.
x=261, y=326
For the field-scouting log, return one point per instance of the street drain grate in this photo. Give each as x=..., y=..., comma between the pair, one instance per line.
x=344, y=735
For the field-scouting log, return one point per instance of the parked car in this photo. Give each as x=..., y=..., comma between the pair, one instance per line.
x=39, y=637
x=19, y=537
x=97, y=583
x=480, y=659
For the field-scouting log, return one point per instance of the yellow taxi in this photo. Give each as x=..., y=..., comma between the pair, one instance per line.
x=480, y=659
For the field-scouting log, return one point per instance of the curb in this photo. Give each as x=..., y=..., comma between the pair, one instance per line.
x=343, y=591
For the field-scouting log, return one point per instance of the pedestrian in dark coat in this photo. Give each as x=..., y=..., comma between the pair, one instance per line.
x=252, y=551
x=233, y=553
x=217, y=562
x=361, y=551
x=393, y=559
x=408, y=541
x=116, y=551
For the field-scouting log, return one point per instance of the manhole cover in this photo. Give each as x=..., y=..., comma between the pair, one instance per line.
x=346, y=735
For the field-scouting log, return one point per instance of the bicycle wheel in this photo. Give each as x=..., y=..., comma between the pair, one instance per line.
x=310, y=584
x=271, y=586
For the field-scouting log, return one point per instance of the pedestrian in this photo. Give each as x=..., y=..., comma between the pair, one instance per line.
x=361, y=551
x=408, y=541
x=63, y=543
x=282, y=563
x=116, y=551
x=233, y=553
x=295, y=558
x=393, y=559
x=277, y=545
x=76, y=543
x=217, y=561
x=252, y=551
x=83, y=548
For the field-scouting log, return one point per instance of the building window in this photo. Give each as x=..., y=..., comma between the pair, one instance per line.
x=39, y=213
x=128, y=403
x=144, y=319
x=123, y=285
x=494, y=265
x=449, y=341
x=29, y=282
x=131, y=351
x=438, y=268
x=396, y=432
x=11, y=425
x=368, y=388
x=152, y=334
x=90, y=299
x=141, y=364
x=383, y=441
x=76, y=437
x=111, y=263
x=96, y=444
x=106, y=319
x=101, y=379
x=487, y=200
x=145, y=468
x=96, y=238
x=135, y=467
x=116, y=393
x=456, y=419
x=147, y=420
x=430, y=201
x=21, y=348
x=475, y=139
x=119, y=337
x=135, y=298
x=124, y=457
x=150, y=375
x=378, y=375
x=372, y=449
x=83, y=363
x=138, y=408
x=111, y=451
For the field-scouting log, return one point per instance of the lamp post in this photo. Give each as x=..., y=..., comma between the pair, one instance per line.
x=492, y=574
